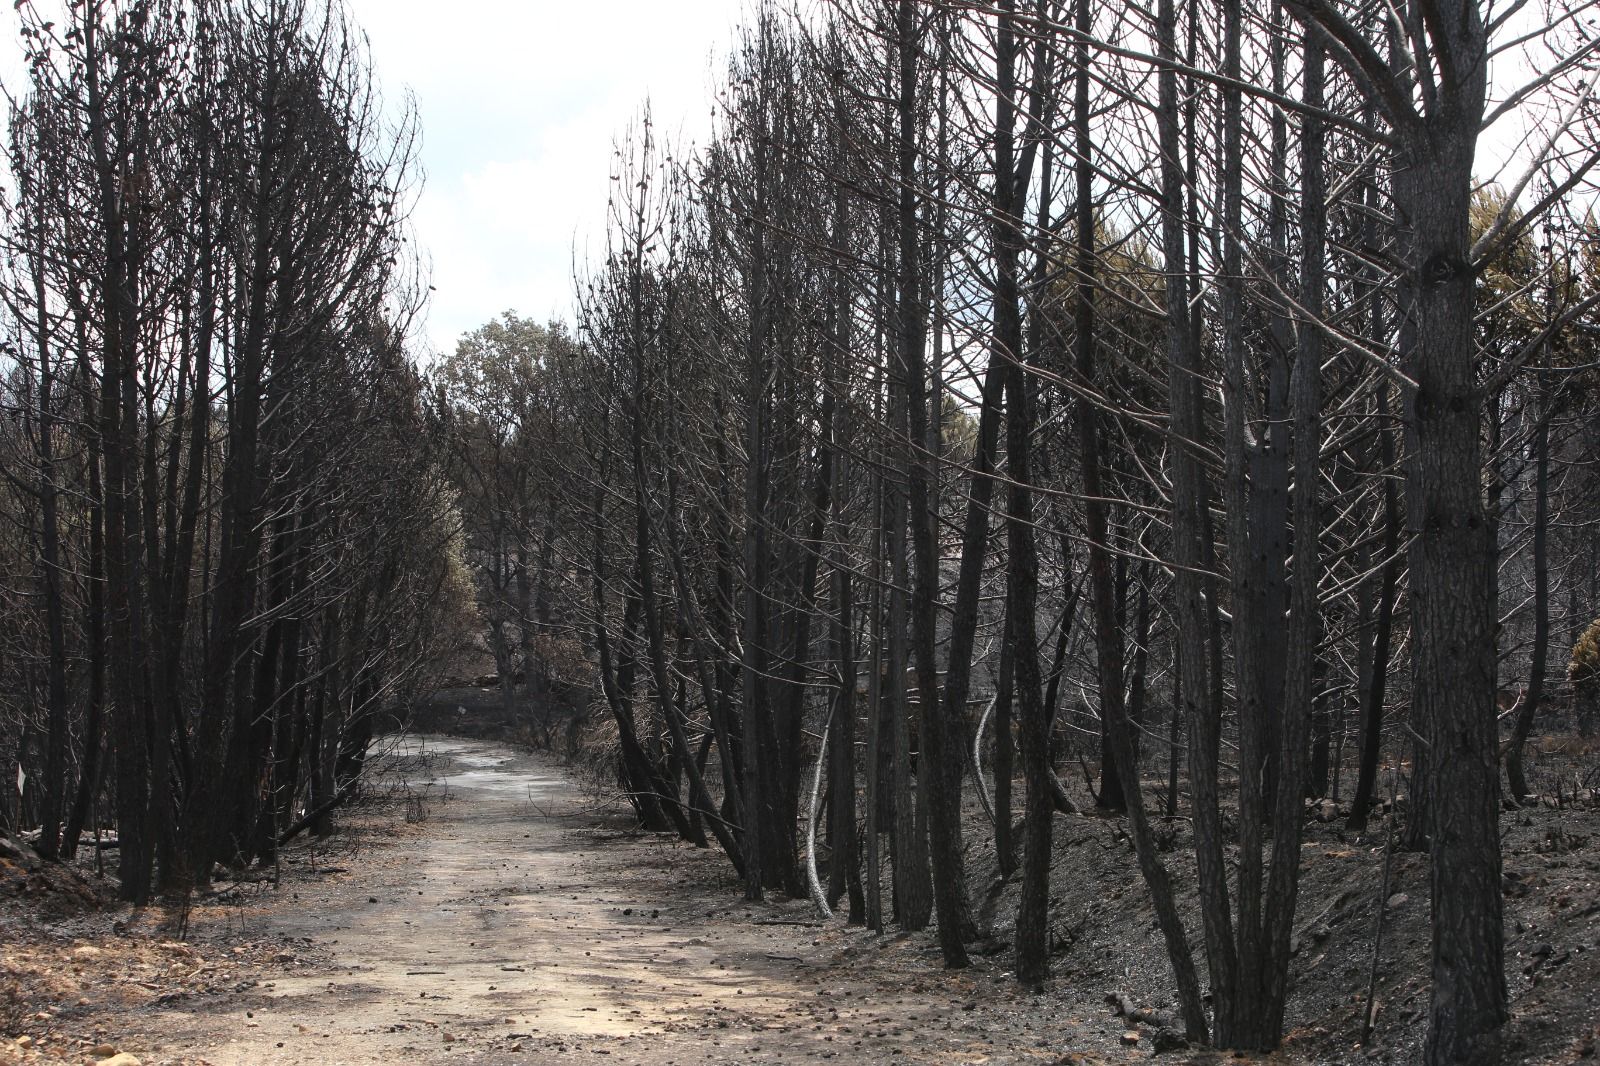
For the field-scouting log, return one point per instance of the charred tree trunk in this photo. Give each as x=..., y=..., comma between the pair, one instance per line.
x=940, y=731
x=1375, y=684
x=1516, y=778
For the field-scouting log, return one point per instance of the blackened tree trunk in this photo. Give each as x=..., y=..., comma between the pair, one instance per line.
x=1452, y=556
x=1197, y=656
x=1516, y=777
x=940, y=731
x=638, y=779
x=53, y=790
x=119, y=434
x=1033, y=931
x=1453, y=617
x=1304, y=629
x=1108, y=634
x=1374, y=684
x=844, y=864
x=1120, y=773
x=1452, y=562
x=1022, y=567
x=758, y=782
x=94, y=715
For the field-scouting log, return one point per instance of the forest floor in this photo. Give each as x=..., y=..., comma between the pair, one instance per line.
x=481, y=907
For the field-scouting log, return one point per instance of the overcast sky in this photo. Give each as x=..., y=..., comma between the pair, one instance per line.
x=520, y=101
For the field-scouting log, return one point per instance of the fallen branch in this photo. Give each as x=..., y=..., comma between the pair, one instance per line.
x=1311, y=928
x=313, y=816
x=18, y=850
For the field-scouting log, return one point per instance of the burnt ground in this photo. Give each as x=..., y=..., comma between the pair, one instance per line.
x=481, y=908
x=1105, y=930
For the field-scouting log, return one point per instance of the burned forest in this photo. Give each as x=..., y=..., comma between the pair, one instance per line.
x=1082, y=520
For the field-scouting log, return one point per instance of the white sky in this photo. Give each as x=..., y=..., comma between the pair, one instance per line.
x=519, y=104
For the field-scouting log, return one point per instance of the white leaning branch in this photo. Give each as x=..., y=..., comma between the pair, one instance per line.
x=815, y=883
x=977, y=760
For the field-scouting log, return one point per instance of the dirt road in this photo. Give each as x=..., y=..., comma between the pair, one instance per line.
x=516, y=926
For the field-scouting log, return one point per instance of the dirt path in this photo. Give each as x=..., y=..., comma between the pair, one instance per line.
x=517, y=927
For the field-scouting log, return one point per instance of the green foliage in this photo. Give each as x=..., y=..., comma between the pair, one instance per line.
x=494, y=373
x=1583, y=670
x=1511, y=302
x=958, y=430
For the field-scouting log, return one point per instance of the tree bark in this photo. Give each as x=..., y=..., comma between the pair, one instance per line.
x=941, y=760
x=1516, y=778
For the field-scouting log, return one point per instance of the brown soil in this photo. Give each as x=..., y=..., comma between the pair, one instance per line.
x=485, y=910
